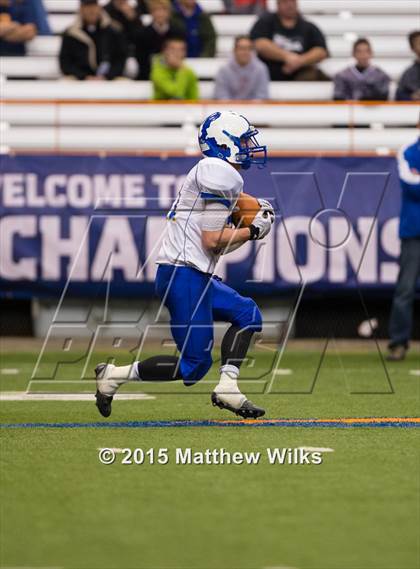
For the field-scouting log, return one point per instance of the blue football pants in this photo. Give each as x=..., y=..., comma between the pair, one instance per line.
x=195, y=300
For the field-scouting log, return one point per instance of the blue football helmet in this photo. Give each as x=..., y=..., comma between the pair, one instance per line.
x=229, y=136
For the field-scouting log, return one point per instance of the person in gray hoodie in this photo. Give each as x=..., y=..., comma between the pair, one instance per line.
x=245, y=76
x=361, y=81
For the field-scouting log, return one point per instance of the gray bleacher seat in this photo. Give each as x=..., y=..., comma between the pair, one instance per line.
x=306, y=6
x=55, y=114
x=339, y=46
x=185, y=139
x=331, y=25
x=278, y=115
x=135, y=90
x=46, y=67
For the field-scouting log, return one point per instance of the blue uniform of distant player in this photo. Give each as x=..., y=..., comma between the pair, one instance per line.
x=197, y=234
x=400, y=324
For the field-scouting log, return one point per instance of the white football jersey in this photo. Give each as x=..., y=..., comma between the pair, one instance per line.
x=212, y=179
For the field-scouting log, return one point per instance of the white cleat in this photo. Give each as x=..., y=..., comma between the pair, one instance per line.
x=106, y=387
x=230, y=398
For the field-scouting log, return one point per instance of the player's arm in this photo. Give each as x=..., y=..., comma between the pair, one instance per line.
x=216, y=237
x=18, y=33
x=269, y=50
x=216, y=241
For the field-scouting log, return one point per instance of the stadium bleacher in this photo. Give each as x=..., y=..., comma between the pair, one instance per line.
x=48, y=105
x=205, y=68
x=340, y=46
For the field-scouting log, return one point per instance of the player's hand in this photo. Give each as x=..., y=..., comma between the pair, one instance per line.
x=266, y=206
x=261, y=226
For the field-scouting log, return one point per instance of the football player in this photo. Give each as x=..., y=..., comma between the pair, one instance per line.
x=198, y=232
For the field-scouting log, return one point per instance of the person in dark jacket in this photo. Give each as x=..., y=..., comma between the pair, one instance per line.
x=125, y=18
x=361, y=81
x=409, y=84
x=92, y=48
x=152, y=37
x=402, y=307
x=289, y=45
x=197, y=28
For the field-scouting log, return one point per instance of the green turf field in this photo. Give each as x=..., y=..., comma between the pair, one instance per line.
x=359, y=509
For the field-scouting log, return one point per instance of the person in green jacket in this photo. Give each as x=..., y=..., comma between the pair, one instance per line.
x=170, y=77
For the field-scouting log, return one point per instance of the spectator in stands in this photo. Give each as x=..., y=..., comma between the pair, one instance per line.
x=361, y=81
x=289, y=45
x=17, y=26
x=153, y=36
x=400, y=323
x=245, y=76
x=245, y=6
x=125, y=18
x=409, y=84
x=171, y=78
x=92, y=48
x=197, y=27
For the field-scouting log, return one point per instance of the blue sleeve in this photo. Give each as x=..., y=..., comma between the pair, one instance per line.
x=412, y=155
x=41, y=18
x=29, y=15
x=409, y=160
x=215, y=199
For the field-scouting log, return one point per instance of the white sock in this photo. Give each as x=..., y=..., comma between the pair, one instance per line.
x=229, y=377
x=127, y=373
x=113, y=377
x=227, y=388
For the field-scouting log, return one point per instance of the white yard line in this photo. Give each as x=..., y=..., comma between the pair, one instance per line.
x=415, y=372
x=22, y=396
x=10, y=371
x=317, y=449
x=280, y=567
x=283, y=371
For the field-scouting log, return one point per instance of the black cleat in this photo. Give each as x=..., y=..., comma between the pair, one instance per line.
x=247, y=410
x=103, y=402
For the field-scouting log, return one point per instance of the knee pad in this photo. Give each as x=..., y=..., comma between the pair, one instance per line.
x=249, y=316
x=193, y=369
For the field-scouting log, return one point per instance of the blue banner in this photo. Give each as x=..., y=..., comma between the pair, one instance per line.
x=83, y=225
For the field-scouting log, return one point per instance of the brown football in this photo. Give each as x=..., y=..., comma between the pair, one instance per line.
x=246, y=209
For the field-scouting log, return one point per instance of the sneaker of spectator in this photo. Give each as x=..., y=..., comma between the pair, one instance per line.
x=362, y=81
x=409, y=84
x=125, y=17
x=289, y=45
x=171, y=78
x=92, y=48
x=245, y=6
x=197, y=28
x=18, y=25
x=245, y=76
x=153, y=36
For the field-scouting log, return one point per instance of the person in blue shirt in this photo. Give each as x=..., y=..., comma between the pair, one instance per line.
x=402, y=307
x=20, y=21
x=196, y=26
